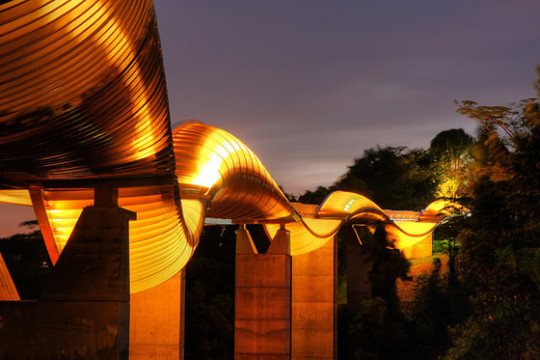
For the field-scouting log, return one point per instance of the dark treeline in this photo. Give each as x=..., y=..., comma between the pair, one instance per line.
x=401, y=178
x=27, y=259
x=209, y=305
x=485, y=306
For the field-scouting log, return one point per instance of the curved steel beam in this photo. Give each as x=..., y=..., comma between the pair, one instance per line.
x=82, y=82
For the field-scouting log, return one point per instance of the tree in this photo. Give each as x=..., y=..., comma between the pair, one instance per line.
x=27, y=260
x=431, y=311
x=439, y=304
x=393, y=177
x=315, y=197
x=451, y=152
x=210, y=296
x=379, y=330
x=500, y=242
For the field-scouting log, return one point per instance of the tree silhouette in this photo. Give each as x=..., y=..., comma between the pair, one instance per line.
x=500, y=242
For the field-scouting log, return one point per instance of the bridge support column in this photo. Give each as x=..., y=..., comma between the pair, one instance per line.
x=157, y=321
x=314, y=303
x=262, y=328
x=83, y=312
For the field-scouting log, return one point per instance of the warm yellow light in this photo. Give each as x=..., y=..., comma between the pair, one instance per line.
x=307, y=235
x=8, y=291
x=216, y=156
x=15, y=197
x=209, y=173
x=236, y=184
x=409, y=233
x=116, y=46
x=347, y=206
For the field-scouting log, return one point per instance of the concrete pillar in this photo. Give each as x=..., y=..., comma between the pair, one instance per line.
x=83, y=312
x=156, y=321
x=94, y=265
x=314, y=303
x=262, y=327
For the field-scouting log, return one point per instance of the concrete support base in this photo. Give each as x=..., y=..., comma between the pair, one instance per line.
x=156, y=322
x=262, y=328
x=64, y=330
x=83, y=313
x=314, y=304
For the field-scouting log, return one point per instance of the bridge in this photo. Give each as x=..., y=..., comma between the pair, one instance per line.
x=121, y=199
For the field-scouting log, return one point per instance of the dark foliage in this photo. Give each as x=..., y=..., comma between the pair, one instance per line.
x=209, y=321
x=452, y=142
x=28, y=262
x=315, y=197
x=393, y=177
x=439, y=303
x=380, y=330
x=500, y=242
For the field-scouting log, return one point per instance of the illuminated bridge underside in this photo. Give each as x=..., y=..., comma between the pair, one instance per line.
x=83, y=102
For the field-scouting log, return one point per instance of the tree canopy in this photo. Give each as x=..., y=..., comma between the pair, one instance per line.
x=407, y=179
x=500, y=241
x=393, y=177
x=451, y=152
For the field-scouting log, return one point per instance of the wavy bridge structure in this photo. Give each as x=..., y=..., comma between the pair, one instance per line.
x=84, y=124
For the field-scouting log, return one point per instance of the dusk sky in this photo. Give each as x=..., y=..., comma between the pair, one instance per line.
x=309, y=84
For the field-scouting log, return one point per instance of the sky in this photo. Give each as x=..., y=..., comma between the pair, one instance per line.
x=308, y=85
